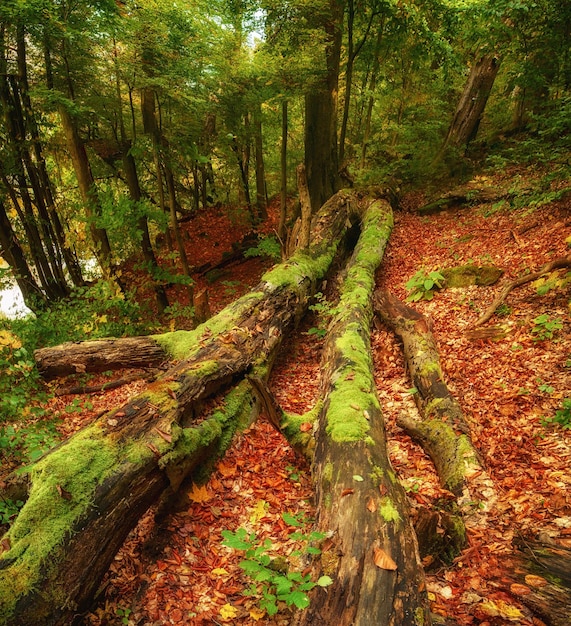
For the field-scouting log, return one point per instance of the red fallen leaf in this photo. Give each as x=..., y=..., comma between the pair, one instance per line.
x=66, y=495
x=305, y=427
x=347, y=492
x=383, y=560
x=371, y=504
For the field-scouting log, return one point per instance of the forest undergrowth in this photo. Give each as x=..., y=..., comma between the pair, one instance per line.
x=175, y=569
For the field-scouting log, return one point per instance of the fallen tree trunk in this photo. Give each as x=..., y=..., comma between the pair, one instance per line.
x=441, y=431
x=100, y=355
x=564, y=261
x=370, y=551
x=87, y=494
x=543, y=574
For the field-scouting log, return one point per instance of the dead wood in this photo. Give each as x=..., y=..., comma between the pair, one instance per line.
x=442, y=430
x=370, y=551
x=543, y=574
x=106, y=386
x=100, y=355
x=558, y=263
x=87, y=494
x=462, y=197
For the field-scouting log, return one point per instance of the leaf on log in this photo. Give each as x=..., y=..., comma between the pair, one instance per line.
x=383, y=560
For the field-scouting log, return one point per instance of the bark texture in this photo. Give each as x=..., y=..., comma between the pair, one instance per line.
x=87, y=494
x=100, y=355
x=543, y=572
x=370, y=551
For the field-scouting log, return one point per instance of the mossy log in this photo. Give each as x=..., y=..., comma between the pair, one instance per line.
x=370, y=551
x=462, y=197
x=442, y=431
x=87, y=494
x=471, y=274
x=543, y=574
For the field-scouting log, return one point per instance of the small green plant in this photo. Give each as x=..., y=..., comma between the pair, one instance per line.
x=9, y=510
x=272, y=581
x=268, y=247
x=562, y=416
x=544, y=387
x=503, y=310
x=545, y=327
x=421, y=286
x=230, y=286
x=325, y=311
x=123, y=614
x=293, y=473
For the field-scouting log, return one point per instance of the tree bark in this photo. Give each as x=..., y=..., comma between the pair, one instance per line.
x=370, y=551
x=473, y=101
x=87, y=494
x=100, y=355
x=543, y=575
x=321, y=150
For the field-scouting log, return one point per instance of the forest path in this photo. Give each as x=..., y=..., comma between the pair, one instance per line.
x=179, y=573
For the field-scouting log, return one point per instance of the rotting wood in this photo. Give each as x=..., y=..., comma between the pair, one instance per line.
x=542, y=573
x=106, y=386
x=370, y=551
x=561, y=262
x=99, y=355
x=442, y=430
x=87, y=494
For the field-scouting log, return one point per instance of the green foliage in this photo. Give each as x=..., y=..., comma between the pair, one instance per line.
x=19, y=378
x=325, y=311
x=123, y=614
x=546, y=328
x=268, y=247
x=562, y=416
x=9, y=510
x=421, y=286
x=273, y=582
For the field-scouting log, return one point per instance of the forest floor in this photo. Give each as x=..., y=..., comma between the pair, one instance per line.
x=175, y=570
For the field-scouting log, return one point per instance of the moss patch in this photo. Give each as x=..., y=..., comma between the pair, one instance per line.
x=182, y=344
x=301, y=266
x=61, y=489
x=388, y=511
x=467, y=275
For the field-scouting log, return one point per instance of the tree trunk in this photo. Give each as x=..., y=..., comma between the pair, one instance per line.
x=370, y=551
x=321, y=152
x=283, y=177
x=473, y=101
x=543, y=575
x=14, y=256
x=261, y=196
x=87, y=494
x=100, y=355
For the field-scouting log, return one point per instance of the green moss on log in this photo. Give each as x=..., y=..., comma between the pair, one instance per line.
x=468, y=275
x=61, y=489
x=182, y=344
